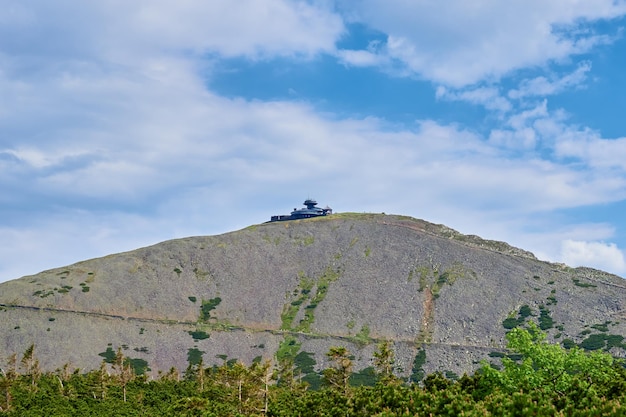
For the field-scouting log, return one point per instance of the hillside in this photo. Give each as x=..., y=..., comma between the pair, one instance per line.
x=294, y=289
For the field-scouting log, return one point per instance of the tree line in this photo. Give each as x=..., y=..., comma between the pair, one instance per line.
x=537, y=379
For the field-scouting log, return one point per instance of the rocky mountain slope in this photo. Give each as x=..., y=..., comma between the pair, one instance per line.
x=294, y=289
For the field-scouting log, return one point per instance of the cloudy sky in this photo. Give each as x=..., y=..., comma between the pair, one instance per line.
x=126, y=123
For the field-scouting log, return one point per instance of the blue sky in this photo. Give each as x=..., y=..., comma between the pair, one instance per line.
x=123, y=124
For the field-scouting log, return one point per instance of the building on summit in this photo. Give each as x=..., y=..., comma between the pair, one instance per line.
x=304, y=213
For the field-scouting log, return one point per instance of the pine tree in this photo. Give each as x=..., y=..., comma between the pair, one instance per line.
x=124, y=371
x=338, y=376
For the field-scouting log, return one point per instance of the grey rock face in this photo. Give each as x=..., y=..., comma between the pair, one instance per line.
x=297, y=288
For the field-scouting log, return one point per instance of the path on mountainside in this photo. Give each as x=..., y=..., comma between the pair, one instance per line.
x=222, y=328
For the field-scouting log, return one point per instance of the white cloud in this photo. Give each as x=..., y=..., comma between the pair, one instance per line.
x=588, y=147
x=458, y=43
x=124, y=32
x=361, y=58
x=601, y=255
x=130, y=148
x=541, y=86
x=524, y=138
x=488, y=97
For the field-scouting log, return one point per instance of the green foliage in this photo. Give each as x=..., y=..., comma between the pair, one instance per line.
x=548, y=381
x=337, y=377
x=417, y=372
x=207, y=307
x=192, y=299
x=194, y=356
x=365, y=377
x=547, y=367
x=545, y=320
x=108, y=355
x=582, y=284
x=602, y=341
x=568, y=343
x=604, y=327
x=512, y=322
x=288, y=349
x=43, y=294
x=384, y=360
x=525, y=311
x=304, y=293
x=138, y=365
x=64, y=289
x=363, y=336
x=304, y=363
x=198, y=335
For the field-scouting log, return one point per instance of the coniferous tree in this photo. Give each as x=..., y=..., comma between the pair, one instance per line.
x=124, y=372
x=338, y=376
x=384, y=362
x=30, y=365
x=8, y=378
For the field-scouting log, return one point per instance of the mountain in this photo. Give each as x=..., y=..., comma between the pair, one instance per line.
x=294, y=289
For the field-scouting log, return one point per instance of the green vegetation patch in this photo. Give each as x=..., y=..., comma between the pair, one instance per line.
x=303, y=295
x=198, y=335
x=200, y=274
x=304, y=365
x=366, y=377
x=434, y=279
x=604, y=327
x=603, y=341
x=108, y=355
x=362, y=338
x=138, y=365
x=64, y=289
x=207, y=307
x=417, y=372
x=582, y=284
x=329, y=276
x=451, y=375
x=288, y=349
x=512, y=322
x=525, y=311
x=43, y=294
x=194, y=356
x=545, y=320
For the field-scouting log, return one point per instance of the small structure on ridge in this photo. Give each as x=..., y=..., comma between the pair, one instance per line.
x=304, y=213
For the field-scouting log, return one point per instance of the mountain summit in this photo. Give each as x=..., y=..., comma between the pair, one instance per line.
x=293, y=289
